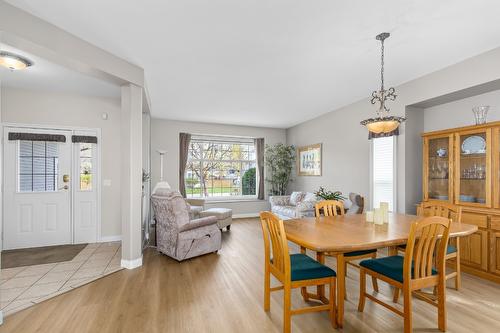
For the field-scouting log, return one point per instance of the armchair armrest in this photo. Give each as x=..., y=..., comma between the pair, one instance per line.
x=196, y=202
x=279, y=200
x=198, y=223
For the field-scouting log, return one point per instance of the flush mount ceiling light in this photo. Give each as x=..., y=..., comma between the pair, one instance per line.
x=383, y=124
x=13, y=61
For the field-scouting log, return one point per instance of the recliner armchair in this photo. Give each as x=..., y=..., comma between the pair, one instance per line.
x=196, y=206
x=177, y=235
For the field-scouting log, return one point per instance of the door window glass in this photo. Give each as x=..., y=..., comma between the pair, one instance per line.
x=86, y=166
x=37, y=166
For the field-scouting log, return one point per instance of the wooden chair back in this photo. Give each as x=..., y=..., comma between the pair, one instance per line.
x=440, y=209
x=426, y=235
x=275, y=240
x=330, y=208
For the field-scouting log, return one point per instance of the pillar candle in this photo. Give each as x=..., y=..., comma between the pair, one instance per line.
x=378, y=216
x=369, y=216
x=384, y=206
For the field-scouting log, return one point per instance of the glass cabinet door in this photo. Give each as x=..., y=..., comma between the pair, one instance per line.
x=438, y=156
x=473, y=168
x=496, y=167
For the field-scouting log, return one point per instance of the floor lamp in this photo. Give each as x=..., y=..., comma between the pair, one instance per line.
x=162, y=184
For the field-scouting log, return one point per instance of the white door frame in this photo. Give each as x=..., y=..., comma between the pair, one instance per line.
x=5, y=125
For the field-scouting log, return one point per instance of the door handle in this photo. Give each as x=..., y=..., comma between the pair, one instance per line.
x=65, y=187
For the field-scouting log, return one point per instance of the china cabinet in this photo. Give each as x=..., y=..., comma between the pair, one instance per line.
x=461, y=166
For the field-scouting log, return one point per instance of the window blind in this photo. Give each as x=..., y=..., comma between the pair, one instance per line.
x=383, y=171
x=13, y=136
x=83, y=139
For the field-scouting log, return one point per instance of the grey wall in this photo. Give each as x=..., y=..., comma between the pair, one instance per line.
x=165, y=136
x=459, y=113
x=146, y=165
x=44, y=108
x=413, y=147
x=345, y=151
x=346, y=148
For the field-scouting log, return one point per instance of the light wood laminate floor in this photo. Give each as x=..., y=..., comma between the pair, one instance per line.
x=223, y=293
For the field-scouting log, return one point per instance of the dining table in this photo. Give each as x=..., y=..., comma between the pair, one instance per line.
x=337, y=235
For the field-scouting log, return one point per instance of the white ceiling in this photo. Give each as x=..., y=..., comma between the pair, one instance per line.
x=47, y=76
x=274, y=62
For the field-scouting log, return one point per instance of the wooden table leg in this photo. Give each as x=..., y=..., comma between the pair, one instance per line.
x=303, y=290
x=320, y=256
x=340, y=288
x=392, y=251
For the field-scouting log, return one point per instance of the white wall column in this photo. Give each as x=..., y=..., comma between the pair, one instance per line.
x=1, y=186
x=131, y=177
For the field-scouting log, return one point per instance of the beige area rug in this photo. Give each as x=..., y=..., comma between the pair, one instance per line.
x=40, y=255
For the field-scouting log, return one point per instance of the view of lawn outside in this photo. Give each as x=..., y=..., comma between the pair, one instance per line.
x=85, y=166
x=220, y=169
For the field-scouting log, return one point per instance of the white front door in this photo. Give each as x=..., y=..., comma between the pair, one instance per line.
x=37, y=194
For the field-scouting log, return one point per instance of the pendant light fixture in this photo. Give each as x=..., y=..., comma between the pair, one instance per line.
x=383, y=124
x=13, y=61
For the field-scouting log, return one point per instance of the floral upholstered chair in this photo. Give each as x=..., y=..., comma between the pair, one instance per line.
x=296, y=205
x=177, y=235
x=196, y=206
x=357, y=204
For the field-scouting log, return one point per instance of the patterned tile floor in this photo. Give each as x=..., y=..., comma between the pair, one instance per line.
x=21, y=287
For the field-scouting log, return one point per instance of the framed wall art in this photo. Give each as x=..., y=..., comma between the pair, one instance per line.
x=309, y=160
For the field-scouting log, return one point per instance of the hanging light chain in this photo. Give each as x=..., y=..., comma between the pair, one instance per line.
x=382, y=67
x=383, y=122
x=383, y=95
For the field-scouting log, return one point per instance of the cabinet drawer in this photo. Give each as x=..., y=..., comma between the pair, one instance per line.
x=480, y=220
x=495, y=222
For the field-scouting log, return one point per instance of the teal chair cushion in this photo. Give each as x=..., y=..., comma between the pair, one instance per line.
x=359, y=253
x=304, y=267
x=392, y=267
x=449, y=249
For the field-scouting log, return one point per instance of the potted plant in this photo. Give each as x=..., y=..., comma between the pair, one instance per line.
x=145, y=177
x=329, y=195
x=279, y=159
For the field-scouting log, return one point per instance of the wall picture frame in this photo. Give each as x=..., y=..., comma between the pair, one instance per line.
x=309, y=160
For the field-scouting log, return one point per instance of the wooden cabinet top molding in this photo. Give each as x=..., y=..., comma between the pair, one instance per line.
x=462, y=129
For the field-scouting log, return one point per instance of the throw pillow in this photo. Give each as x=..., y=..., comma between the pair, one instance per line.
x=310, y=197
x=296, y=197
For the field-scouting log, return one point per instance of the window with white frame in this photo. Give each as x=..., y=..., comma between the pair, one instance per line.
x=221, y=167
x=383, y=171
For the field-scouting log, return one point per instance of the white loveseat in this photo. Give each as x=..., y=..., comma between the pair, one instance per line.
x=296, y=205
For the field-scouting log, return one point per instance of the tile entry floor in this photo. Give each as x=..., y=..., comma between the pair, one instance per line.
x=21, y=287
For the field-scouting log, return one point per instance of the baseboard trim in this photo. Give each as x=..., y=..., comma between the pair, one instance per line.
x=115, y=238
x=243, y=216
x=1, y=317
x=131, y=264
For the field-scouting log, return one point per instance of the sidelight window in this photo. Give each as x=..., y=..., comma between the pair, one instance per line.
x=86, y=166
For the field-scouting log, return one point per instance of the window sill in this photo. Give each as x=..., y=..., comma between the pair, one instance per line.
x=214, y=201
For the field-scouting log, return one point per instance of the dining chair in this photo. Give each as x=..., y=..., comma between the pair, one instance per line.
x=414, y=271
x=335, y=208
x=293, y=271
x=453, y=250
